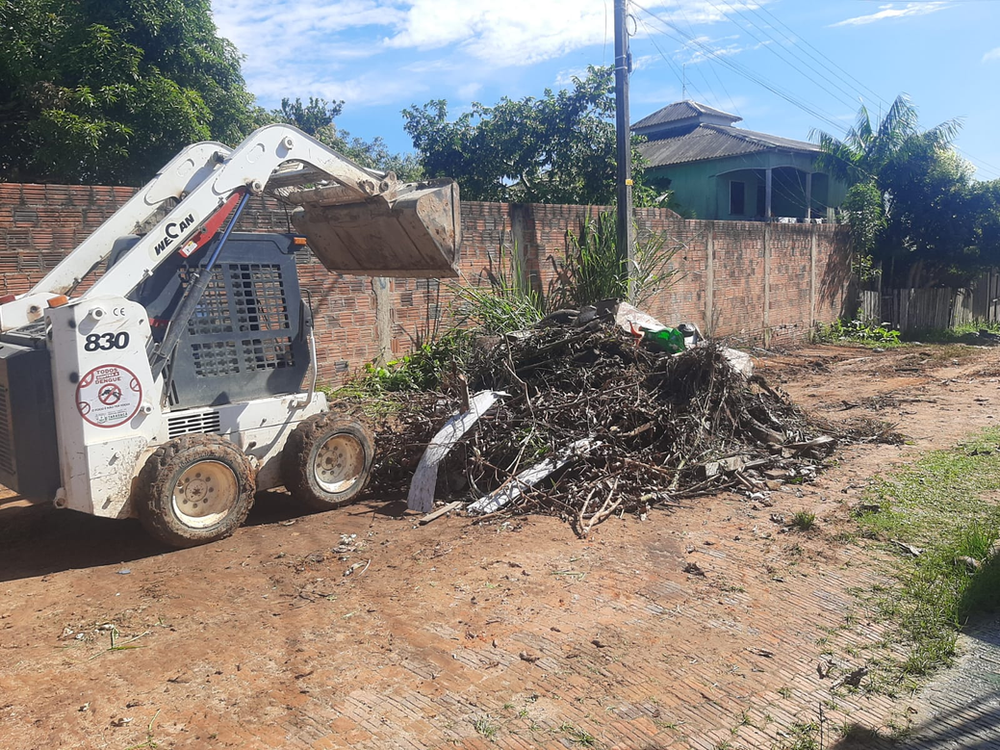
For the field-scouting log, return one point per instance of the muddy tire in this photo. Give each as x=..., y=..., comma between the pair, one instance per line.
x=327, y=460
x=194, y=489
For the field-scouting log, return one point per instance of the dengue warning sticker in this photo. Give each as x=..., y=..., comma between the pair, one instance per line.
x=108, y=395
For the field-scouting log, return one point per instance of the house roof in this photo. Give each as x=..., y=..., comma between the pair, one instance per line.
x=707, y=141
x=685, y=110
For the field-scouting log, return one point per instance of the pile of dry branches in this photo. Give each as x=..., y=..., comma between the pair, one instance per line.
x=663, y=428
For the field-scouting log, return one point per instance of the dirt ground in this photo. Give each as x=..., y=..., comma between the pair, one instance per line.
x=357, y=628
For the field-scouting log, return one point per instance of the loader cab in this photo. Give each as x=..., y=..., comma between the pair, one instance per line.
x=248, y=336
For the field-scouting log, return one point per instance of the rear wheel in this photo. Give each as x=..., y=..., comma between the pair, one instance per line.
x=327, y=460
x=194, y=489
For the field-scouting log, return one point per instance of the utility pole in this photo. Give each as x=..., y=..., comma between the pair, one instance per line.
x=623, y=66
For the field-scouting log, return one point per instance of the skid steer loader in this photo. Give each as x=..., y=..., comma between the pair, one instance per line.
x=175, y=386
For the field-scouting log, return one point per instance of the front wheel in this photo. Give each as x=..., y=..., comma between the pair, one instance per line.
x=327, y=460
x=194, y=489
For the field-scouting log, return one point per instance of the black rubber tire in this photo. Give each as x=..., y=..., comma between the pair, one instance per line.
x=298, y=458
x=156, y=484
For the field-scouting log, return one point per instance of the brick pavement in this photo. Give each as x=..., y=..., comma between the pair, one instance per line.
x=613, y=646
x=960, y=709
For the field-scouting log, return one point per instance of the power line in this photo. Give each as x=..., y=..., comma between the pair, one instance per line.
x=820, y=53
x=680, y=10
x=741, y=70
x=715, y=72
x=670, y=63
x=978, y=163
x=689, y=39
x=780, y=51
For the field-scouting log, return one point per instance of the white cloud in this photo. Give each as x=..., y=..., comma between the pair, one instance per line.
x=890, y=11
x=657, y=97
x=297, y=27
x=702, y=48
x=370, y=52
x=641, y=62
x=367, y=89
x=507, y=33
x=565, y=77
x=993, y=54
x=469, y=90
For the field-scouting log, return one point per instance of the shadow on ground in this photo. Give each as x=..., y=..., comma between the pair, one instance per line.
x=36, y=540
x=961, y=707
x=972, y=726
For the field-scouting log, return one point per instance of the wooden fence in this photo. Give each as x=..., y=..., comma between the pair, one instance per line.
x=926, y=309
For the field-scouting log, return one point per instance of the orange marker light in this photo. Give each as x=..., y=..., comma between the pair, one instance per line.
x=58, y=301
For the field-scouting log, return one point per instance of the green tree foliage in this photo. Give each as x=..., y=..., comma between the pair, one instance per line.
x=107, y=91
x=316, y=119
x=912, y=204
x=556, y=149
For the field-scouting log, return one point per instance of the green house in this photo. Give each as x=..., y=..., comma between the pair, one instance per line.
x=719, y=171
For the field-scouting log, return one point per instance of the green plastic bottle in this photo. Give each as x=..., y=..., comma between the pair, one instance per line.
x=669, y=340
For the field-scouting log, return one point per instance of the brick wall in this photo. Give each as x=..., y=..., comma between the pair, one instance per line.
x=747, y=282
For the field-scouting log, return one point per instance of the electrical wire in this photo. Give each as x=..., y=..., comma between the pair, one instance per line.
x=745, y=72
x=980, y=164
x=688, y=39
x=715, y=72
x=809, y=45
x=680, y=10
x=783, y=53
x=670, y=63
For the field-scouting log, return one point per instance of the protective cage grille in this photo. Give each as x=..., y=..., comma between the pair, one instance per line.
x=242, y=298
x=244, y=340
x=259, y=295
x=212, y=313
x=215, y=358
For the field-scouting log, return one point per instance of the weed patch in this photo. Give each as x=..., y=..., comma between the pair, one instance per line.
x=803, y=521
x=937, y=516
x=859, y=332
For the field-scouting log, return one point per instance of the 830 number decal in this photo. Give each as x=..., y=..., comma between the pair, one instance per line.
x=105, y=341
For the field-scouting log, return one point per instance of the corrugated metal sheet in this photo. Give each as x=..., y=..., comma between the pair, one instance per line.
x=716, y=141
x=681, y=111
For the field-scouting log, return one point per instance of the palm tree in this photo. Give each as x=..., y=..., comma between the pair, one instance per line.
x=867, y=159
x=866, y=148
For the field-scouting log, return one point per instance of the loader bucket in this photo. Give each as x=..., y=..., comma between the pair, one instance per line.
x=415, y=233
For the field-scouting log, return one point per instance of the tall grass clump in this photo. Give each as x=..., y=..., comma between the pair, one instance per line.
x=594, y=271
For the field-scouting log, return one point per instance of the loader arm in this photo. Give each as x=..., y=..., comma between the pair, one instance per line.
x=183, y=173
x=367, y=222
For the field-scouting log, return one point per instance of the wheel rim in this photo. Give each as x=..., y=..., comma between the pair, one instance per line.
x=339, y=464
x=205, y=493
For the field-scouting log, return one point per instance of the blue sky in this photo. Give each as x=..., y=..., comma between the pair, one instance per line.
x=824, y=58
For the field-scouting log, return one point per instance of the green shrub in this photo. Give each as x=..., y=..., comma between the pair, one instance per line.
x=857, y=330
x=421, y=370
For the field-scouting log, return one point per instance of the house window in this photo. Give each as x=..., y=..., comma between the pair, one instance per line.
x=737, y=198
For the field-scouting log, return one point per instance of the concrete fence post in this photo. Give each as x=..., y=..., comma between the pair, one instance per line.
x=812, y=280
x=767, y=284
x=383, y=317
x=710, y=280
